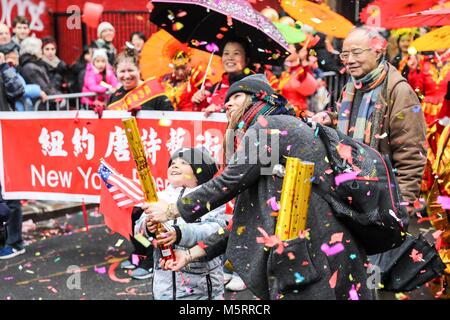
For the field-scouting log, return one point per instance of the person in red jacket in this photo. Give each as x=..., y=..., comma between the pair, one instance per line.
x=297, y=83
x=235, y=59
x=430, y=76
x=181, y=84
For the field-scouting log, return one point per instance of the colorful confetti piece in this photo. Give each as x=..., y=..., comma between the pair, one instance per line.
x=333, y=250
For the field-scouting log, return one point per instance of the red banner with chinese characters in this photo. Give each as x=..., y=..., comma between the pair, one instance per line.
x=55, y=155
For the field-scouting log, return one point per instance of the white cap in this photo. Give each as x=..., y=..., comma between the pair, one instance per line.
x=99, y=53
x=104, y=26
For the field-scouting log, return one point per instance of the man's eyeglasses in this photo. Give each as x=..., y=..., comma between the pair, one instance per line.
x=357, y=52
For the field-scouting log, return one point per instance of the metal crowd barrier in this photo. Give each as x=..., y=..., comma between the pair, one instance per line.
x=64, y=102
x=335, y=83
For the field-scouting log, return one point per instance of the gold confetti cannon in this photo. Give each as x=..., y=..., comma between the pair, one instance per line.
x=137, y=149
x=294, y=202
x=144, y=173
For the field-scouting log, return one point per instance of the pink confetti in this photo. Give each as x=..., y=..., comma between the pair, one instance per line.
x=262, y=121
x=202, y=245
x=353, y=293
x=444, y=202
x=345, y=152
x=333, y=250
x=150, y=6
x=291, y=256
x=358, y=85
x=189, y=290
x=271, y=241
x=336, y=237
x=212, y=47
x=332, y=280
x=437, y=234
x=346, y=177
x=377, y=43
x=229, y=21
x=303, y=234
x=416, y=256
x=135, y=259
x=101, y=270
x=274, y=204
x=52, y=289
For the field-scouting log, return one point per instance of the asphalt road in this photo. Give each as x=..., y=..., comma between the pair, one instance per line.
x=64, y=262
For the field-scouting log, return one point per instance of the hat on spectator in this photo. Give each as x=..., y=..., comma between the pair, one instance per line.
x=252, y=85
x=99, y=53
x=202, y=163
x=104, y=26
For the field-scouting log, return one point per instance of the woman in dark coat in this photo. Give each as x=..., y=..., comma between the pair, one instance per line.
x=78, y=70
x=56, y=68
x=32, y=67
x=271, y=133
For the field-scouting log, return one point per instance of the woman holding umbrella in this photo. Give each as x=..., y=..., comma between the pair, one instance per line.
x=212, y=25
x=235, y=59
x=311, y=271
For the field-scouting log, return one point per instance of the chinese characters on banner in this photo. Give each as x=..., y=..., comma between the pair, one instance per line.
x=55, y=156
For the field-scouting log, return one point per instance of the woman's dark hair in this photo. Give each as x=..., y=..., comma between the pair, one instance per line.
x=48, y=40
x=20, y=20
x=414, y=35
x=245, y=45
x=139, y=34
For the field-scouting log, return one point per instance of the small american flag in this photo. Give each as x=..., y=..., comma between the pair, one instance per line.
x=126, y=192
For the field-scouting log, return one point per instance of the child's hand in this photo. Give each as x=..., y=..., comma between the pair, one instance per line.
x=182, y=259
x=166, y=237
x=2, y=58
x=151, y=226
x=157, y=211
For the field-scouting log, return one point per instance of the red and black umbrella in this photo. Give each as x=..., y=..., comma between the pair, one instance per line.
x=430, y=18
x=208, y=24
x=383, y=11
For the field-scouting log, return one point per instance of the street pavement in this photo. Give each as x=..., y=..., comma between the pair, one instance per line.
x=59, y=250
x=64, y=262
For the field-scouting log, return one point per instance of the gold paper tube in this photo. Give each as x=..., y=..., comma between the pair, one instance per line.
x=299, y=187
x=144, y=173
x=282, y=229
x=137, y=149
x=301, y=199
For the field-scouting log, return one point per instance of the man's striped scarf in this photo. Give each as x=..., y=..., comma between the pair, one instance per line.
x=371, y=86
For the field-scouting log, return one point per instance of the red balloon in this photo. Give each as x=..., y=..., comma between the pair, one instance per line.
x=92, y=13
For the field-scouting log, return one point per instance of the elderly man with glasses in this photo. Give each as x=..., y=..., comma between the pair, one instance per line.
x=379, y=107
